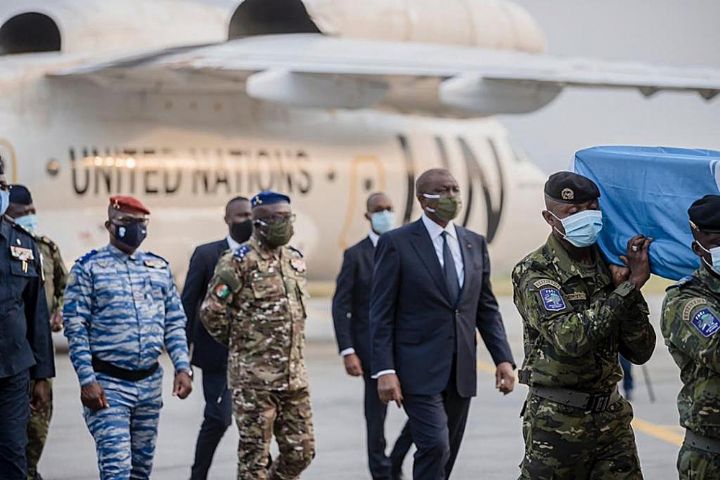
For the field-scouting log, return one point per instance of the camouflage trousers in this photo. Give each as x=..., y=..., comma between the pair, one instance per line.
x=567, y=443
x=694, y=464
x=261, y=413
x=38, y=427
x=125, y=433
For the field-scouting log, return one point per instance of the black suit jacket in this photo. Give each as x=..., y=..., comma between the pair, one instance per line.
x=415, y=329
x=208, y=354
x=351, y=303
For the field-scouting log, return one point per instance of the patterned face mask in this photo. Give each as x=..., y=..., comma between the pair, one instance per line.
x=276, y=233
x=447, y=208
x=582, y=229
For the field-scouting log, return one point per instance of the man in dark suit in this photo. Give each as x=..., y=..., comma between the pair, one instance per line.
x=350, y=308
x=207, y=354
x=431, y=291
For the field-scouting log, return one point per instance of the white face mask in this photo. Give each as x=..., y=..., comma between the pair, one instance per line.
x=714, y=254
x=382, y=221
x=582, y=229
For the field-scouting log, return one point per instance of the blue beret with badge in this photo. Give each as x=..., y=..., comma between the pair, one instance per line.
x=268, y=197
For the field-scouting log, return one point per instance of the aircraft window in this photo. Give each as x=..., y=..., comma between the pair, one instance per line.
x=28, y=33
x=266, y=17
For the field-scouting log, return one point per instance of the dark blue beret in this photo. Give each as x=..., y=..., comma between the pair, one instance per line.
x=20, y=194
x=268, y=198
x=704, y=214
x=569, y=187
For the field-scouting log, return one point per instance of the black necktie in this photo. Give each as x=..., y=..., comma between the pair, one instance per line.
x=451, y=277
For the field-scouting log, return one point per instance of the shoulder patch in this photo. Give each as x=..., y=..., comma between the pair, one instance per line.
x=552, y=299
x=706, y=322
x=84, y=259
x=690, y=306
x=242, y=251
x=546, y=281
x=296, y=251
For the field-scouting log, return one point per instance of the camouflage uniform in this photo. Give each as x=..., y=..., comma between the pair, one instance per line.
x=575, y=324
x=690, y=322
x=255, y=306
x=124, y=310
x=55, y=277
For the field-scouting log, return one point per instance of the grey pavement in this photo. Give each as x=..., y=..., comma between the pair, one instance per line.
x=491, y=450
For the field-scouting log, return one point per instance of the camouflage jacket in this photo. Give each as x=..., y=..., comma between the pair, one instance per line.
x=54, y=273
x=255, y=304
x=576, y=321
x=690, y=324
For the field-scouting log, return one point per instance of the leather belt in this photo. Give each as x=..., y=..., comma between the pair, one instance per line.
x=706, y=444
x=589, y=402
x=101, y=366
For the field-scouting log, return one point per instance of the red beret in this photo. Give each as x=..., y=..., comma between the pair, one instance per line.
x=128, y=204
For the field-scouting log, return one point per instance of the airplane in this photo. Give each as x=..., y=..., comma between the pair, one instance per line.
x=187, y=103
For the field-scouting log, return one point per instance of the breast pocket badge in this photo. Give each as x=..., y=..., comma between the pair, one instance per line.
x=552, y=299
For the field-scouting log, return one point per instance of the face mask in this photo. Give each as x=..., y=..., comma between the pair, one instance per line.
x=583, y=228
x=28, y=222
x=241, y=231
x=382, y=221
x=4, y=201
x=132, y=234
x=715, y=255
x=276, y=234
x=447, y=207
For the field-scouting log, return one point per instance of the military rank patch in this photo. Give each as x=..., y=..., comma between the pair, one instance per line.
x=242, y=250
x=298, y=264
x=706, y=322
x=546, y=281
x=552, y=299
x=222, y=291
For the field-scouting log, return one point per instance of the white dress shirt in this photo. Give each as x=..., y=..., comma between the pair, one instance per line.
x=232, y=243
x=374, y=237
x=435, y=231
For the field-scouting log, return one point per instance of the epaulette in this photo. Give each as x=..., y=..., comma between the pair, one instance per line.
x=156, y=262
x=681, y=283
x=242, y=251
x=47, y=241
x=296, y=251
x=84, y=259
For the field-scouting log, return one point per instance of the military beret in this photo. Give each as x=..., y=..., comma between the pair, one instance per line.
x=128, y=204
x=569, y=187
x=20, y=194
x=268, y=198
x=704, y=214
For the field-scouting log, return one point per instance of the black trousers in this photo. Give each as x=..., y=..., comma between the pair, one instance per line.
x=217, y=419
x=14, y=416
x=381, y=466
x=437, y=424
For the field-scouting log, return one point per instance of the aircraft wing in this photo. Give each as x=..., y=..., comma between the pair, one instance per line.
x=317, y=71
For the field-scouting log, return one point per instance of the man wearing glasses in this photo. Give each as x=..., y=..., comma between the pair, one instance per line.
x=255, y=304
x=121, y=311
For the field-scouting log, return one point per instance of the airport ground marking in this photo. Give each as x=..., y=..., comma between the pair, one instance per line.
x=659, y=432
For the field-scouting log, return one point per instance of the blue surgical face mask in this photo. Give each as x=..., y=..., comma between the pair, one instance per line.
x=714, y=254
x=382, y=221
x=28, y=222
x=583, y=228
x=4, y=201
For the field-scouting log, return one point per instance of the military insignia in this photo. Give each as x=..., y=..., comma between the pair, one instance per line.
x=690, y=306
x=546, y=281
x=298, y=264
x=21, y=253
x=242, y=250
x=576, y=296
x=222, y=291
x=552, y=299
x=567, y=194
x=155, y=263
x=706, y=322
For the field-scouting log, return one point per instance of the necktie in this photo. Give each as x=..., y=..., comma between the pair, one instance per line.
x=451, y=277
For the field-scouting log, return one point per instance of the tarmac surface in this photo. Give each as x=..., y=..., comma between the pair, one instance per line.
x=492, y=447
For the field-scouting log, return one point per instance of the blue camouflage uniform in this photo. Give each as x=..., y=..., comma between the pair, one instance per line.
x=122, y=310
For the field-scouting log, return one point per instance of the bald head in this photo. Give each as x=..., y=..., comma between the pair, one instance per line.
x=378, y=201
x=428, y=181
